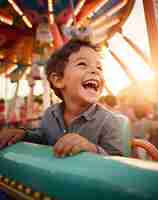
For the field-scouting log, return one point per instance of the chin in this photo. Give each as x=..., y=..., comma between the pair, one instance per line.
x=88, y=97
x=90, y=100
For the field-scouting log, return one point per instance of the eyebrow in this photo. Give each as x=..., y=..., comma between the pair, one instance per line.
x=81, y=58
x=77, y=59
x=99, y=64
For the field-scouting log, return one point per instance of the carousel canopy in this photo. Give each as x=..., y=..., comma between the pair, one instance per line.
x=31, y=30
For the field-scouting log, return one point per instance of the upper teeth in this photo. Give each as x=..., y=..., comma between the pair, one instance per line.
x=92, y=82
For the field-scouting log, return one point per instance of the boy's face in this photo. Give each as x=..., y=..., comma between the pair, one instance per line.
x=83, y=76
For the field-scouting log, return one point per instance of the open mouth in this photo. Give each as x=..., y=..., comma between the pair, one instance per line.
x=91, y=84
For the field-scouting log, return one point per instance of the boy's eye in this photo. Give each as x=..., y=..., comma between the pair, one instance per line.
x=82, y=63
x=100, y=68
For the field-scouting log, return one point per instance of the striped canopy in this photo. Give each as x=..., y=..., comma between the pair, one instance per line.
x=31, y=30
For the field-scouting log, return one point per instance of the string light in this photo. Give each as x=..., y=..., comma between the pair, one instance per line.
x=50, y=11
x=27, y=22
x=91, y=10
x=26, y=72
x=6, y=20
x=105, y=24
x=20, y=12
x=1, y=56
x=98, y=7
x=16, y=7
x=11, y=69
x=100, y=33
x=116, y=8
x=76, y=11
x=50, y=5
x=109, y=13
x=51, y=18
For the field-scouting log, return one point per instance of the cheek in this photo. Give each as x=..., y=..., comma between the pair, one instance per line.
x=71, y=81
x=73, y=76
x=103, y=83
x=102, y=80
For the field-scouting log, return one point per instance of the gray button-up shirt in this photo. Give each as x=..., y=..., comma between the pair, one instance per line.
x=98, y=125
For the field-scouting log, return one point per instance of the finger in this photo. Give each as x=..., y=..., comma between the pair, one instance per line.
x=14, y=139
x=60, y=145
x=66, y=149
x=64, y=146
x=75, y=150
x=82, y=146
x=3, y=143
x=4, y=140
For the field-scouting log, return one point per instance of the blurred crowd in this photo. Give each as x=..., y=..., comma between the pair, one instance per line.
x=19, y=114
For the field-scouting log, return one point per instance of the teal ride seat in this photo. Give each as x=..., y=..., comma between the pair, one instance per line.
x=81, y=177
x=125, y=134
x=132, y=147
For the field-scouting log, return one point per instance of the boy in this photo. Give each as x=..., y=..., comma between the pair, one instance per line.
x=78, y=123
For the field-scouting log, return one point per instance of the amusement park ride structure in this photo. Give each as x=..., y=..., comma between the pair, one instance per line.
x=27, y=26
x=29, y=32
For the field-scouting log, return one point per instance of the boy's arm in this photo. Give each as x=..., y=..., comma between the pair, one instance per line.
x=10, y=136
x=35, y=135
x=38, y=135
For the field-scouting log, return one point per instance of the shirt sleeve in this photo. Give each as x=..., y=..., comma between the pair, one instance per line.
x=38, y=135
x=111, y=137
x=101, y=151
x=35, y=136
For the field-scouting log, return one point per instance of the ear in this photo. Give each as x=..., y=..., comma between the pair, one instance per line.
x=56, y=80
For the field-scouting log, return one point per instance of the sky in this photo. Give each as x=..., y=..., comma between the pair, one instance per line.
x=135, y=29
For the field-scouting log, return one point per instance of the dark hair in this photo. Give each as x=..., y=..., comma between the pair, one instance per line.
x=58, y=60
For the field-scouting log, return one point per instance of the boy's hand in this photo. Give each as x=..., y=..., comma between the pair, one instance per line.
x=71, y=144
x=10, y=136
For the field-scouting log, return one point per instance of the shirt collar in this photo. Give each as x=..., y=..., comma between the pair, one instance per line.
x=57, y=109
x=89, y=114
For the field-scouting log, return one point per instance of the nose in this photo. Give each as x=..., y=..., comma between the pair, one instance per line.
x=94, y=69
